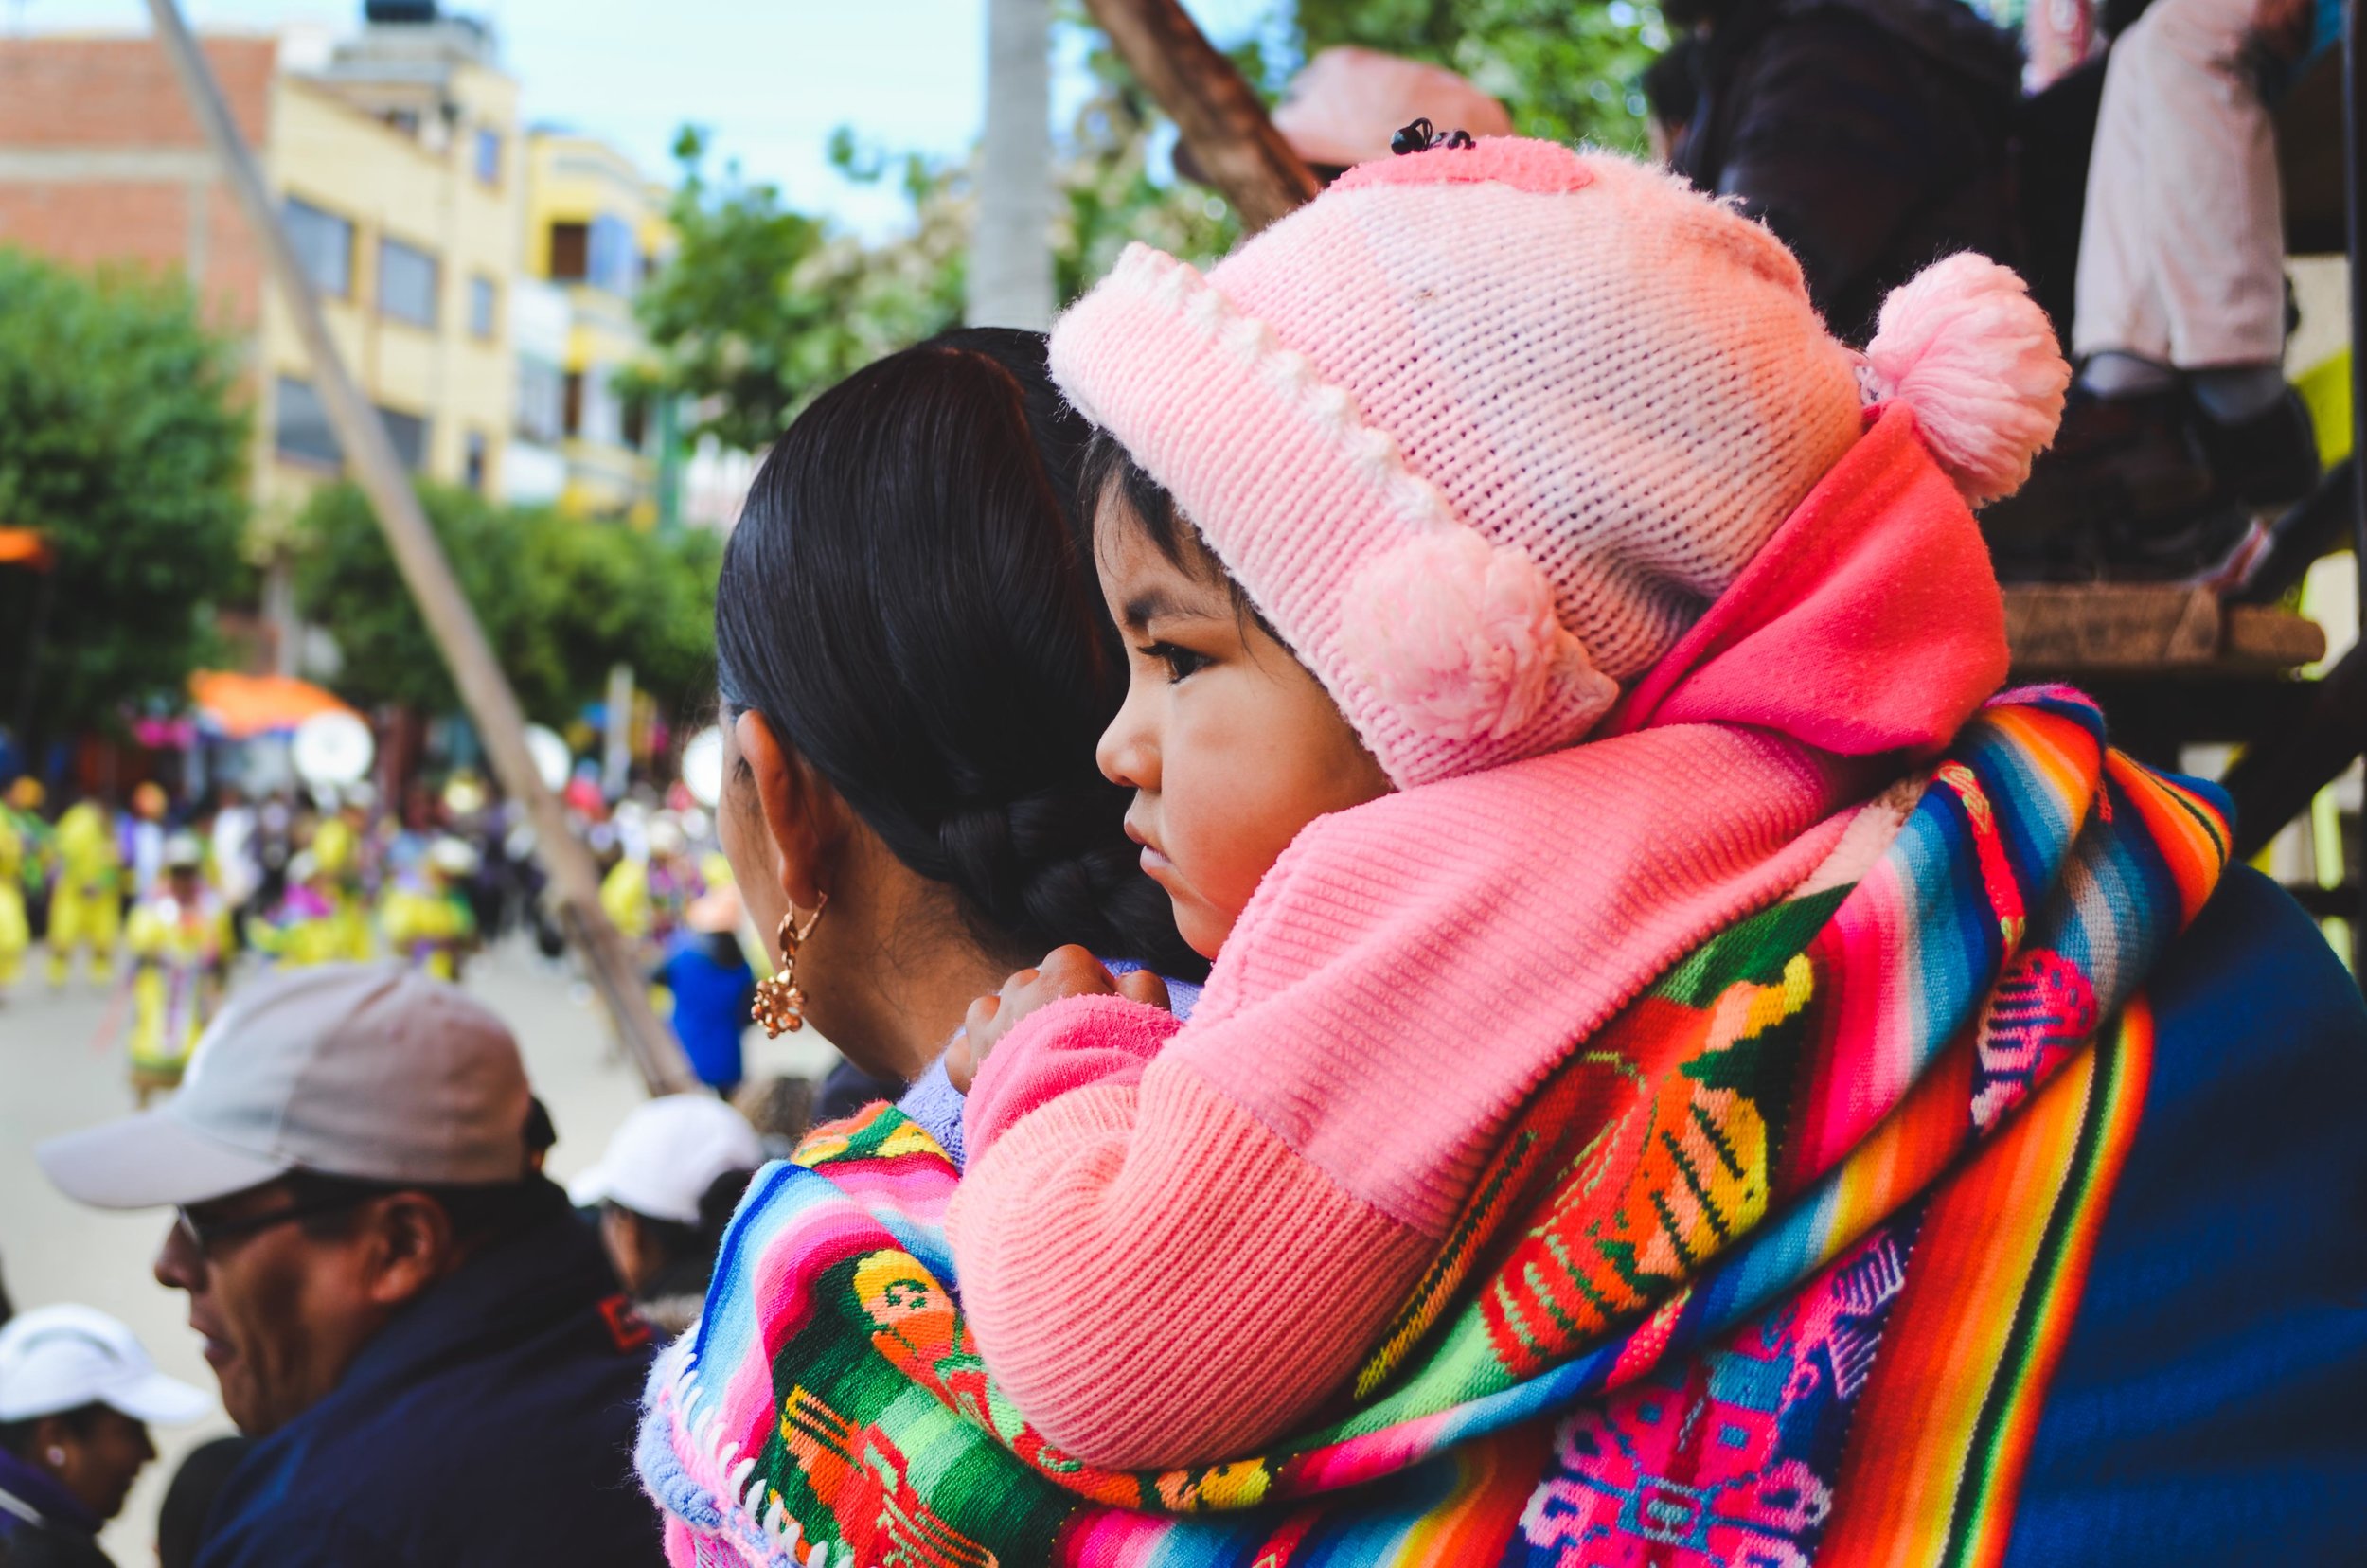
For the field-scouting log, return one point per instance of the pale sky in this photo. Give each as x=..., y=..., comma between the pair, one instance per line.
x=771, y=79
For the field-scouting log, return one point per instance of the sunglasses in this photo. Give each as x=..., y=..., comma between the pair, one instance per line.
x=204, y=1235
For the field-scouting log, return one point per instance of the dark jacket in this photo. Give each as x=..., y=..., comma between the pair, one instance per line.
x=489, y=1425
x=1873, y=136
x=42, y=1525
x=2211, y=1405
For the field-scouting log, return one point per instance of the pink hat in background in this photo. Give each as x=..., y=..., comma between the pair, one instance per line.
x=1343, y=107
x=1482, y=430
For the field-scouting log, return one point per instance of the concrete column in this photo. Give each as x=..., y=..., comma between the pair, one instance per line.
x=1010, y=257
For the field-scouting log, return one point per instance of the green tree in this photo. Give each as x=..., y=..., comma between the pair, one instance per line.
x=560, y=598
x=763, y=306
x=123, y=441
x=607, y=593
x=346, y=580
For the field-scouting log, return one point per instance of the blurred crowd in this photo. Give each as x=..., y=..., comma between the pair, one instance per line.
x=160, y=899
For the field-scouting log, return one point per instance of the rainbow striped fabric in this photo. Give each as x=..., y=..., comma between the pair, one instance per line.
x=1772, y=1270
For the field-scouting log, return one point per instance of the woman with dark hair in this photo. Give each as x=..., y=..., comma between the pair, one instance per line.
x=915, y=666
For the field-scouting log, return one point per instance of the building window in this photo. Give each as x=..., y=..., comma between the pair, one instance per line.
x=571, y=400
x=488, y=155
x=324, y=247
x=482, y=300
x=408, y=432
x=543, y=401
x=300, y=428
x=634, y=422
x=406, y=283
x=614, y=261
x=404, y=121
x=474, y=465
x=570, y=252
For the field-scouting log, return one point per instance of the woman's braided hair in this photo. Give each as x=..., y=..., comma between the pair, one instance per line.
x=909, y=600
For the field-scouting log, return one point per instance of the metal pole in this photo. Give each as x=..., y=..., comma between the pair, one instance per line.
x=2355, y=149
x=483, y=688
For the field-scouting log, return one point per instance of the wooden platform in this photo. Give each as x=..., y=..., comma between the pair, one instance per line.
x=2173, y=667
x=2122, y=629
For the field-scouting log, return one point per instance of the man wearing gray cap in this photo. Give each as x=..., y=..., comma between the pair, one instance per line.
x=432, y=1347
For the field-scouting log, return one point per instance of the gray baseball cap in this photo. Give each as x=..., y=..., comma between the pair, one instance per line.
x=367, y=1071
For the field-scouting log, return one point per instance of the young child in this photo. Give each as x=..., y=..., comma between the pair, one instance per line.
x=1414, y=490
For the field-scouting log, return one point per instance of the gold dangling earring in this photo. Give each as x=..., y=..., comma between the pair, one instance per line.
x=781, y=1004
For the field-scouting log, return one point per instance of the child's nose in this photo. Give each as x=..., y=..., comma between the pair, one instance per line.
x=1123, y=753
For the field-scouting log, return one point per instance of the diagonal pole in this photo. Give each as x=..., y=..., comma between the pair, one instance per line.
x=1216, y=112
x=483, y=688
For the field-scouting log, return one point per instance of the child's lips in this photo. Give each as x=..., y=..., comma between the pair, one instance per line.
x=1153, y=860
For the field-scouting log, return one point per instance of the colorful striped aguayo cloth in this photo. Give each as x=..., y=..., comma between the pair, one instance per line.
x=1772, y=1270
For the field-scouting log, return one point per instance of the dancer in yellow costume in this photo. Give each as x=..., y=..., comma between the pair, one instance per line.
x=16, y=931
x=22, y=806
x=86, y=905
x=312, y=925
x=181, y=946
x=430, y=924
x=337, y=852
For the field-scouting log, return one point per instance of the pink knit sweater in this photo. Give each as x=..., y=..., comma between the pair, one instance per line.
x=1154, y=1218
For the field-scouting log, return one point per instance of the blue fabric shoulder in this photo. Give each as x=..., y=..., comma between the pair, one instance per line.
x=2211, y=1405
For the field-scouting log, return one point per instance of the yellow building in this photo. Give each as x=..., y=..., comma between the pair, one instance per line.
x=594, y=230
x=400, y=166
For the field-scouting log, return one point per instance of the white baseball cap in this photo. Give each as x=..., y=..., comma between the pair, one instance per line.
x=55, y=1359
x=665, y=1155
x=367, y=1071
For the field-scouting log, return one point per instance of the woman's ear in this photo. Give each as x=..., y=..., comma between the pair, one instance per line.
x=800, y=808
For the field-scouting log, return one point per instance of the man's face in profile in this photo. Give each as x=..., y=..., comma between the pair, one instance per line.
x=278, y=1302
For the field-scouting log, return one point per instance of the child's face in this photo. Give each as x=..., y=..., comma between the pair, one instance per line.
x=1230, y=745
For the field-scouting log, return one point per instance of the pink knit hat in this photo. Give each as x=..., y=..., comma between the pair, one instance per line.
x=1481, y=430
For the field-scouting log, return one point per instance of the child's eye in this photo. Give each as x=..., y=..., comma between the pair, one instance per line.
x=1180, y=661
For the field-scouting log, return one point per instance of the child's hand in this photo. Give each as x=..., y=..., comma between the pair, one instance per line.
x=1065, y=972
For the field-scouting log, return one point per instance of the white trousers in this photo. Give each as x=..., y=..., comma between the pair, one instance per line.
x=2182, y=258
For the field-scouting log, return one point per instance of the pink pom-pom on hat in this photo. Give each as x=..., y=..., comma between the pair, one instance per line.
x=1963, y=344
x=1460, y=636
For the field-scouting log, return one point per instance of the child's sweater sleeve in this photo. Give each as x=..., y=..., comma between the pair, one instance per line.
x=1065, y=1047
x=1155, y=1276
x=1177, y=1261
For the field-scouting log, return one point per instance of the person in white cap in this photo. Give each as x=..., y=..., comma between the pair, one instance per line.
x=78, y=1393
x=667, y=1186
x=431, y=1348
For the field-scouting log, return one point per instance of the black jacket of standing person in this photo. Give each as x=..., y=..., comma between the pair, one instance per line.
x=62, y=1534
x=491, y=1425
x=1873, y=136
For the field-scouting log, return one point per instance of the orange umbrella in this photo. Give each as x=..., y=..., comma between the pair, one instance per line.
x=242, y=706
x=26, y=548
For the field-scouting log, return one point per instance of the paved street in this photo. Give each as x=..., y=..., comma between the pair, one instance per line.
x=57, y=1074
